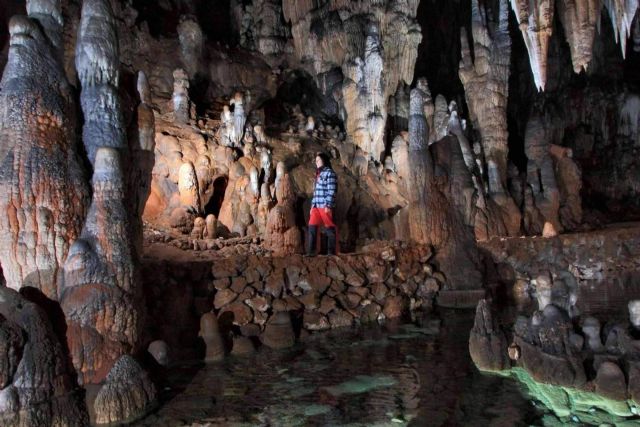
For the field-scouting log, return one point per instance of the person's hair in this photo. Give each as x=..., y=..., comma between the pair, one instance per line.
x=326, y=161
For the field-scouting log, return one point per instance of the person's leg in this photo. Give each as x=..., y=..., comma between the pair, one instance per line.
x=331, y=230
x=315, y=221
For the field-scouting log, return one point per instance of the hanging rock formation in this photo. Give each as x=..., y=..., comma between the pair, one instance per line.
x=621, y=13
x=536, y=23
x=36, y=382
x=43, y=193
x=579, y=19
x=373, y=44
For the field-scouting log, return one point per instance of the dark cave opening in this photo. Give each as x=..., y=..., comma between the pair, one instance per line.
x=215, y=202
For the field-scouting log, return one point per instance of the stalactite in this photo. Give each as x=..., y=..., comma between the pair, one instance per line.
x=579, y=19
x=536, y=23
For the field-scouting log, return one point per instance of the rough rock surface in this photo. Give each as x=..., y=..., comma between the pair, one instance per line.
x=43, y=193
x=373, y=44
x=37, y=385
x=100, y=294
x=487, y=343
x=127, y=395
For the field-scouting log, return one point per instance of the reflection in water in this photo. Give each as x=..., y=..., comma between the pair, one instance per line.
x=417, y=375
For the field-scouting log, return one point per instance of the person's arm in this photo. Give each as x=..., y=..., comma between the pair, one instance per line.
x=332, y=189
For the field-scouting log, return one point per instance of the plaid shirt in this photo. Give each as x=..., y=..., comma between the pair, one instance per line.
x=324, y=195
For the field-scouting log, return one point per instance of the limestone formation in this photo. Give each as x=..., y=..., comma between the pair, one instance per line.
x=100, y=295
x=579, y=19
x=536, y=23
x=36, y=381
x=350, y=36
x=484, y=72
x=211, y=224
x=432, y=218
x=210, y=334
x=282, y=236
x=278, y=332
x=142, y=156
x=127, y=395
x=621, y=13
x=261, y=27
x=43, y=192
x=97, y=64
x=191, y=44
x=188, y=187
x=239, y=118
x=487, y=343
x=180, y=99
x=160, y=352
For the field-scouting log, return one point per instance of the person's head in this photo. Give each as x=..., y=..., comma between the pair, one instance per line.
x=322, y=160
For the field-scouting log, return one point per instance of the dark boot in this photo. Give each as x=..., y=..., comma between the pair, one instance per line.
x=331, y=241
x=312, y=241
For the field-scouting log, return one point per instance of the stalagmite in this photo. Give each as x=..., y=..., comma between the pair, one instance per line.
x=100, y=295
x=536, y=23
x=97, y=63
x=181, y=102
x=36, y=379
x=375, y=47
x=239, y=118
x=485, y=77
x=43, y=192
x=282, y=235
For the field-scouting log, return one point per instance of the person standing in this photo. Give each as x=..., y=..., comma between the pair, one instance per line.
x=322, y=205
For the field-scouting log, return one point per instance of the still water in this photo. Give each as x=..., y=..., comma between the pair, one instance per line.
x=412, y=374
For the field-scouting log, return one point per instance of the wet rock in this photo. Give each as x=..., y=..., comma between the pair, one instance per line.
x=210, y=334
x=487, y=343
x=160, y=352
x=278, y=332
x=610, y=381
x=395, y=306
x=340, y=318
x=314, y=321
x=242, y=346
x=127, y=395
x=370, y=312
x=327, y=304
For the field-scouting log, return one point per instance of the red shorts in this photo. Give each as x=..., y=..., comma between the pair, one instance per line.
x=320, y=217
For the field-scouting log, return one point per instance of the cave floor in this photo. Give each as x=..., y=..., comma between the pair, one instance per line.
x=416, y=373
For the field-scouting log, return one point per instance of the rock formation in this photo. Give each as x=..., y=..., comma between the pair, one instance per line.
x=350, y=36
x=43, y=192
x=100, y=295
x=487, y=343
x=181, y=102
x=484, y=72
x=127, y=394
x=37, y=384
x=282, y=235
x=97, y=64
